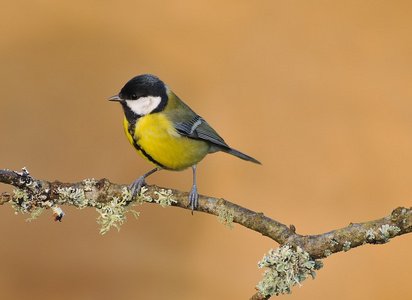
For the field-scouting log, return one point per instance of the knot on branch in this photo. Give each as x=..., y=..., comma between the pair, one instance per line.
x=401, y=216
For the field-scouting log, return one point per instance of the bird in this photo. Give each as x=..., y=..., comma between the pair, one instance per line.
x=166, y=132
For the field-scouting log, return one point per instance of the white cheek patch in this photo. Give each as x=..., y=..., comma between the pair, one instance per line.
x=144, y=105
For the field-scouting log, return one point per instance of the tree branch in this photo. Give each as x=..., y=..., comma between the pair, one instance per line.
x=45, y=194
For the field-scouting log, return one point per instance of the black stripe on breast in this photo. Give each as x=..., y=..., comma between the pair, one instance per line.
x=139, y=148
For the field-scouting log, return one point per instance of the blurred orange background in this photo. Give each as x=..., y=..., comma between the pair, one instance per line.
x=318, y=91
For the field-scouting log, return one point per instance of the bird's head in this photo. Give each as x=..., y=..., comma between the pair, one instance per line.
x=142, y=95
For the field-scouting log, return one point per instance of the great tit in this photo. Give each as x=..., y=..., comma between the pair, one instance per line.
x=165, y=131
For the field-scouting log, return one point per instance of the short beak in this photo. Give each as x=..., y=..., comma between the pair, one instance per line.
x=115, y=98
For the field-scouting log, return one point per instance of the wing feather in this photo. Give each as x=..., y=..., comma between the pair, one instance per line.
x=198, y=128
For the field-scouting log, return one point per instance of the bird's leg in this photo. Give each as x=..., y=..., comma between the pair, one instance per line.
x=136, y=186
x=193, y=196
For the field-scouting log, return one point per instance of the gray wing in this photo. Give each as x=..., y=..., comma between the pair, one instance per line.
x=198, y=128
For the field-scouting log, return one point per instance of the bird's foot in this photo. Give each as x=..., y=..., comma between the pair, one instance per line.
x=136, y=186
x=193, y=197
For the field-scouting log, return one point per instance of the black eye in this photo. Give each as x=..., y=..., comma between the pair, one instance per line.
x=134, y=97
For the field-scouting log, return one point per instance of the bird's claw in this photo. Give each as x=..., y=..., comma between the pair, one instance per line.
x=136, y=186
x=193, y=198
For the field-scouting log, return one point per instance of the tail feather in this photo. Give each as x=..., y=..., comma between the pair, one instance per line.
x=240, y=155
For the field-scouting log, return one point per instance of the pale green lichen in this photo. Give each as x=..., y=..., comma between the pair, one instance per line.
x=28, y=203
x=72, y=196
x=225, y=217
x=35, y=213
x=287, y=268
x=140, y=199
x=370, y=235
x=164, y=198
x=127, y=194
x=89, y=184
x=112, y=214
x=346, y=246
x=20, y=201
x=388, y=232
x=327, y=253
x=32, y=199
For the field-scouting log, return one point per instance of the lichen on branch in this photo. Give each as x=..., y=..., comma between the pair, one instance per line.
x=113, y=201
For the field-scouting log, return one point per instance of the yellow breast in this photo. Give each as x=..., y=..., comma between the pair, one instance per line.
x=156, y=140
